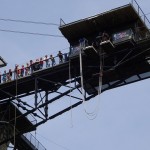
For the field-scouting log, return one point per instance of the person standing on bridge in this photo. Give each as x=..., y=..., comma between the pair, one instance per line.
x=27, y=69
x=53, y=60
x=9, y=75
x=60, y=55
x=16, y=72
x=4, y=77
x=22, y=71
x=19, y=72
x=31, y=66
x=41, y=63
x=47, y=61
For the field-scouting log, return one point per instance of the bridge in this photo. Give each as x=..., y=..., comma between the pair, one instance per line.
x=122, y=59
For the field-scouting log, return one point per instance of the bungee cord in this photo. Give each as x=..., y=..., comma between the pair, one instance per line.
x=90, y=115
x=16, y=73
x=70, y=99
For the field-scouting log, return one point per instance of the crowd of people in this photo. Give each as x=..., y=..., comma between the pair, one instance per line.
x=49, y=61
x=31, y=66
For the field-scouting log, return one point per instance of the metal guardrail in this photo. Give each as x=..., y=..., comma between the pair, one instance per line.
x=141, y=13
x=65, y=56
x=15, y=76
x=47, y=63
x=33, y=141
x=27, y=137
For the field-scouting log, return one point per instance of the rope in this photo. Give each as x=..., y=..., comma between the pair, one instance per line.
x=15, y=109
x=31, y=22
x=35, y=138
x=31, y=33
x=70, y=79
x=94, y=113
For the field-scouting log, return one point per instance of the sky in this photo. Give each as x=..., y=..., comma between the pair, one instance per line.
x=123, y=120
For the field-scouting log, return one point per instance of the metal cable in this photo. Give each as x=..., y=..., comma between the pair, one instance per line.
x=31, y=22
x=70, y=79
x=31, y=33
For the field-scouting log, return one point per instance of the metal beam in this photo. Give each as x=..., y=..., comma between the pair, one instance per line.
x=48, y=102
x=57, y=83
x=53, y=116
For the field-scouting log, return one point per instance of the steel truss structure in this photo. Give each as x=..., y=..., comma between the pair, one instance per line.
x=25, y=103
x=44, y=87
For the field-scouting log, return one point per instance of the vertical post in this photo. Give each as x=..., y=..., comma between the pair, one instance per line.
x=61, y=22
x=46, y=106
x=75, y=83
x=30, y=138
x=70, y=50
x=36, y=89
x=38, y=145
x=81, y=75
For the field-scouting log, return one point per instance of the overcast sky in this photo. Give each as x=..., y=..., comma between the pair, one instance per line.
x=123, y=120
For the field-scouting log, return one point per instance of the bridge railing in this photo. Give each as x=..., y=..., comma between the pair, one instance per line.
x=28, y=69
x=141, y=13
x=33, y=141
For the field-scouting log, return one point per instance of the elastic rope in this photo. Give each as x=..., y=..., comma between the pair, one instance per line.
x=35, y=139
x=95, y=112
x=16, y=73
x=89, y=114
x=70, y=79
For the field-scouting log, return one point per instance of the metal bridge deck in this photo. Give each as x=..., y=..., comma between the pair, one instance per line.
x=51, y=79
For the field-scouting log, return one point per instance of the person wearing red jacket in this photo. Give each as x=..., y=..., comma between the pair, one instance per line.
x=41, y=63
